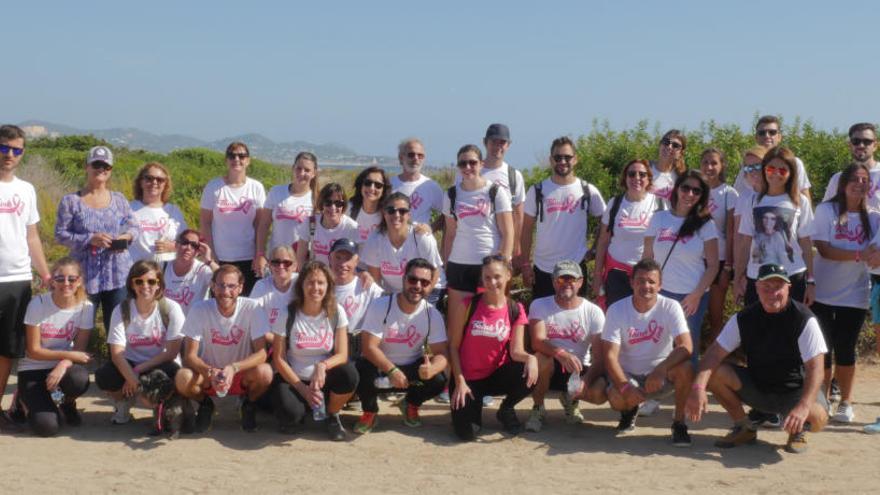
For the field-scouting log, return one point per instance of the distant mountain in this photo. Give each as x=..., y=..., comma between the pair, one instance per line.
x=260, y=146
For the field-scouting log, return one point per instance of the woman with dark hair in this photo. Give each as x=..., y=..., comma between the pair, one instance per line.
x=229, y=216
x=670, y=164
x=488, y=354
x=158, y=221
x=290, y=205
x=842, y=231
x=776, y=229
x=324, y=227
x=145, y=334
x=57, y=326
x=684, y=241
x=622, y=233
x=314, y=372
x=188, y=277
x=371, y=187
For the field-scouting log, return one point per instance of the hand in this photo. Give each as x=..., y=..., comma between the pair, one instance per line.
x=528, y=274
x=596, y=286
x=101, y=240
x=46, y=281
x=570, y=364
x=655, y=381
x=130, y=388
x=228, y=375
x=319, y=376
x=398, y=379
x=810, y=295
x=313, y=396
x=794, y=422
x=422, y=229
x=531, y=371
x=634, y=394
x=163, y=246
x=259, y=266
x=425, y=369
x=691, y=303
x=462, y=392
x=79, y=357
x=697, y=404
x=205, y=252
x=55, y=376
x=739, y=288
x=366, y=279
x=871, y=256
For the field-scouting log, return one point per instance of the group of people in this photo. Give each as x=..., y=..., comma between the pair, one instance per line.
x=303, y=301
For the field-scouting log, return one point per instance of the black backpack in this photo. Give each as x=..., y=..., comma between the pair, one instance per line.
x=452, y=192
x=539, y=199
x=615, y=208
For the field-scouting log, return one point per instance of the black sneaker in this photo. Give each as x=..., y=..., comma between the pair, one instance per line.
x=71, y=413
x=680, y=435
x=760, y=418
x=16, y=412
x=627, y=421
x=205, y=415
x=8, y=425
x=248, y=413
x=334, y=428
x=509, y=422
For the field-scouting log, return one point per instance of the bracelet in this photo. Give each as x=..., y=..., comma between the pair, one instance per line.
x=392, y=370
x=559, y=351
x=697, y=386
x=623, y=388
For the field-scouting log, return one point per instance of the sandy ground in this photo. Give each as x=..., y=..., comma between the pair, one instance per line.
x=100, y=458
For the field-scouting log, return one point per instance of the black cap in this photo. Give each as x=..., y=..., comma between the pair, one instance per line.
x=772, y=270
x=344, y=244
x=498, y=131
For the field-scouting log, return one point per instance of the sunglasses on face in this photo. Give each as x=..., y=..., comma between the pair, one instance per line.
x=154, y=178
x=70, y=279
x=672, y=144
x=413, y=155
x=334, y=202
x=5, y=149
x=233, y=156
x=566, y=279
x=767, y=132
x=282, y=263
x=192, y=244
x=859, y=180
x=468, y=163
x=695, y=190
x=139, y=282
x=563, y=158
x=636, y=173
x=861, y=142
x=101, y=166
x=782, y=171
x=751, y=168
x=396, y=211
x=374, y=184
x=422, y=282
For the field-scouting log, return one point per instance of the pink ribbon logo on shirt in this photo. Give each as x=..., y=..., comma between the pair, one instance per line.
x=498, y=330
x=235, y=335
x=415, y=200
x=640, y=221
x=50, y=331
x=668, y=235
x=244, y=205
x=410, y=337
x=350, y=305
x=273, y=315
x=652, y=333
x=389, y=269
x=319, y=247
x=298, y=214
x=664, y=193
x=183, y=297
x=157, y=226
x=465, y=210
x=364, y=232
x=323, y=339
x=154, y=339
x=12, y=205
x=567, y=205
x=842, y=233
x=574, y=331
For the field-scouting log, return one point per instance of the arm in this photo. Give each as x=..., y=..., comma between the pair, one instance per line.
x=436, y=363
x=517, y=227
x=279, y=360
x=691, y=302
x=505, y=227
x=815, y=372
x=339, y=357
x=541, y=344
x=698, y=402
x=518, y=353
x=117, y=355
x=206, y=219
x=679, y=354
x=172, y=349
x=38, y=259
x=729, y=239
x=597, y=359
x=370, y=349
x=525, y=249
x=302, y=253
x=65, y=235
x=192, y=360
x=615, y=374
x=36, y=351
x=262, y=221
x=375, y=272
x=837, y=254
x=448, y=237
x=455, y=332
x=648, y=250
x=807, y=252
x=601, y=250
x=741, y=262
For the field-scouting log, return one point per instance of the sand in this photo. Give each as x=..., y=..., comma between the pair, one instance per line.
x=100, y=458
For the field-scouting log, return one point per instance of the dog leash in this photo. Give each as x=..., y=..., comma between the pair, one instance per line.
x=160, y=413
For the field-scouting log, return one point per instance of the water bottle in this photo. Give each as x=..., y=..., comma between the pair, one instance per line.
x=574, y=384
x=382, y=382
x=221, y=390
x=57, y=396
x=319, y=412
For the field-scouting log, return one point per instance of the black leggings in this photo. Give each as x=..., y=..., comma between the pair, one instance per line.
x=41, y=411
x=418, y=392
x=110, y=379
x=290, y=407
x=617, y=286
x=841, y=327
x=507, y=381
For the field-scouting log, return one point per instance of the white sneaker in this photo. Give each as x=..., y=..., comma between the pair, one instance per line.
x=572, y=410
x=844, y=414
x=649, y=407
x=488, y=400
x=536, y=419
x=122, y=414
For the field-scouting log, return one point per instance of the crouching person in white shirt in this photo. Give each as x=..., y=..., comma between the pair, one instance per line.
x=647, y=347
x=403, y=338
x=231, y=331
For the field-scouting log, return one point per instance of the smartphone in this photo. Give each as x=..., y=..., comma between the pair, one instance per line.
x=119, y=244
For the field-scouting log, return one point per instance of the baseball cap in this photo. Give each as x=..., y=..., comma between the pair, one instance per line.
x=100, y=154
x=344, y=244
x=567, y=268
x=772, y=270
x=498, y=131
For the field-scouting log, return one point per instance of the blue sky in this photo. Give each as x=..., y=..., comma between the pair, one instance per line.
x=366, y=74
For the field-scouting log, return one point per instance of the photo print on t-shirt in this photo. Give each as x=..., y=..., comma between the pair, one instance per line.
x=772, y=240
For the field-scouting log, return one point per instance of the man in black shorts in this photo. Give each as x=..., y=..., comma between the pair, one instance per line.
x=785, y=353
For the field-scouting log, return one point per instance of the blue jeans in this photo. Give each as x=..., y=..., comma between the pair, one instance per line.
x=694, y=321
x=107, y=300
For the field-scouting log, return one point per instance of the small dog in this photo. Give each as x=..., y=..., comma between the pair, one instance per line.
x=172, y=414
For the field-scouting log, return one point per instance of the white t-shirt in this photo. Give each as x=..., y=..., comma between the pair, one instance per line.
x=391, y=262
x=144, y=338
x=288, y=213
x=311, y=339
x=162, y=223
x=403, y=334
x=476, y=231
x=424, y=195
x=783, y=224
x=811, y=343
x=686, y=263
x=355, y=299
x=569, y=329
x=501, y=175
x=58, y=327
x=873, y=191
x=842, y=283
x=741, y=184
x=273, y=301
x=226, y=340
x=191, y=287
x=631, y=222
x=324, y=238
x=663, y=183
x=234, y=210
x=722, y=200
x=562, y=235
x=744, y=203
x=367, y=223
x=645, y=339
x=18, y=210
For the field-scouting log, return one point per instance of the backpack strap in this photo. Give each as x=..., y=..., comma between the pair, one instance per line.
x=511, y=180
x=355, y=210
x=512, y=311
x=612, y=213
x=291, y=317
x=585, y=199
x=472, y=308
x=659, y=205
x=539, y=200
x=451, y=192
x=493, y=193
x=388, y=309
x=164, y=312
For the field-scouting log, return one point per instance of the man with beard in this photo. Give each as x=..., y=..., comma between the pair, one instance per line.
x=768, y=133
x=425, y=195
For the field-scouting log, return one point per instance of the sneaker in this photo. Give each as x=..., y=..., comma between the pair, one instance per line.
x=873, y=428
x=8, y=425
x=205, y=415
x=767, y=420
x=366, y=423
x=680, y=435
x=122, y=411
x=410, y=414
x=797, y=443
x=844, y=414
x=536, y=419
x=16, y=412
x=188, y=425
x=572, y=410
x=739, y=435
x=649, y=407
x=834, y=395
x=334, y=428
x=353, y=405
x=488, y=400
x=71, y=414
x=773, y=421
x=248, y=414
x=627, y=421
x=443, y=397
x=509, y=422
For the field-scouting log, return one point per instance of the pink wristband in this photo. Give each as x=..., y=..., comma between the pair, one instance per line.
x=626, y=386
x=560, y=351
x=697, y=386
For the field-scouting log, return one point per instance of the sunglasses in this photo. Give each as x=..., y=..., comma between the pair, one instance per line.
x=783, y=171
x=5, y=149
x=767, y=132
x=861, y=142
x=152, y=282
x=240, y=156
x=751, y=168
x=102, y=166
x=284, y=263
x=859, y=180
x=695, y=190
x=566, y=279
x=334, y=202
x=70, y=279
x=372, y=183
x=468, y=163
x=413, y=154
x=153, y=178
x=192, y=244
x=422, y=282
x=398, y=211
x=563, y=158
x=672, y=144
x=636, y=173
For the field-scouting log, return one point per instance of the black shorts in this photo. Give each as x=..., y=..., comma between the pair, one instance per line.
x=559, y=380
x=464, y=278
x=779, y=403
x=14, y=299
x=108, y=377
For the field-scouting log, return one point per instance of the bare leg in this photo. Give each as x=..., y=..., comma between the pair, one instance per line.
x=717, y=294
x=189, y=384
x=682, y=375
x=545, y=373
x=724, y=384
x=594, y=393
x=337, y=401
x=256, y=381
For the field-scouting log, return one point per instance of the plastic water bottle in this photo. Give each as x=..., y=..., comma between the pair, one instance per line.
x=574, y=384
x=382, y=382
x=319, y=412
x=57, y=395
x=221, y=390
